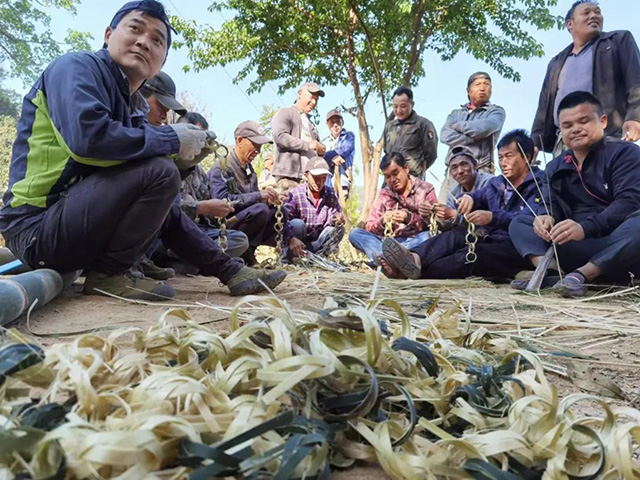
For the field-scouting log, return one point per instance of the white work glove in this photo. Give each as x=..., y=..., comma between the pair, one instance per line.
x=192, y=140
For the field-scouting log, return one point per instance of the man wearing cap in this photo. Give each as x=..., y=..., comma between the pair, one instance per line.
x=296, y=137
x=463, y=169
x=91, y=183
x=606, y=64
x=410, y=134
x=396, y=210
x=314, y=214
x=341, y=149
x=160, y=94
x=476, y=125
x=236, y=181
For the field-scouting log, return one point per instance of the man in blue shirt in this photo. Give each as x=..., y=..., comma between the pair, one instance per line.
x=341, y=147
x=91, y=184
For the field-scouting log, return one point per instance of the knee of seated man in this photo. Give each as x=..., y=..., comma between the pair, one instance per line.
x=165, y=168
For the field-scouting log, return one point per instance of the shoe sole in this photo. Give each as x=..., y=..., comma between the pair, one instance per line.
x=400, y=258
x=249, y=287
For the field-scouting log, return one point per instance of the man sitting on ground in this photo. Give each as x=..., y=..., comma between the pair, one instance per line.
x=235, y=180
x=160, y=95
x=314, y=214
x=462, y=167
x=492, y=209
x=200, y=206
x=396, y=210
x=91, y=183
x=593, y=196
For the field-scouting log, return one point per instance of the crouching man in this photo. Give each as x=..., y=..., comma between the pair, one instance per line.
x=593, y=197
x=490, y=209
x=91, y=183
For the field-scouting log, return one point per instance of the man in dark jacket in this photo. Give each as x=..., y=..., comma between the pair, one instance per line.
x=91, y=183
x=410, y=134
x=592, y=203
x=491, y=209
x=237, y=182
x=606, y=64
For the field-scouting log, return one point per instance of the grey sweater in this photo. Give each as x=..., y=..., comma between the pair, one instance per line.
x=291, y=150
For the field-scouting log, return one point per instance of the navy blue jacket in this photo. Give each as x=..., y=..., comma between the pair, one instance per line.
x=490, y=198
x=78, y=117
x=611, y=175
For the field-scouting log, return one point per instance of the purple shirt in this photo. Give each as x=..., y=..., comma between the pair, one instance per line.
x=300, y=205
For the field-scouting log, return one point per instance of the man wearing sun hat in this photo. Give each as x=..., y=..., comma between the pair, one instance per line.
x=254, y=209
x=296, y=137
x=314, y=214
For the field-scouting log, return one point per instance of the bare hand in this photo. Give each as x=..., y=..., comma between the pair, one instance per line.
x=338, y=219
x=567, y=231
x=338, y=160
x=214, y=208
x=465, y=204
x=319, y=148
x=425, y=209
x=631, y=131
x=297, y=247
x=542, y=226
x=480, y=217
x=270, y=196
x=399, y=216
x=443, y=212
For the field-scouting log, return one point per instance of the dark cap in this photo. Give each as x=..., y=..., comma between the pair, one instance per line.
x=253, y=131
x=334, y=113
x=317, y=166
x=476, y=76
x=151, y=8
x=312, y=88
x=164, y=89
x=462, y=151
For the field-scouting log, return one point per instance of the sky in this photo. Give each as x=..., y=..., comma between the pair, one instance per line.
x=442, y=89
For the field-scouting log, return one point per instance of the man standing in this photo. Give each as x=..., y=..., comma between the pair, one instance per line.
x=160, y=94
x=396, y=210
x=314, y=214
x=91, y=185
x=236, y=181
x=341, y=149
x=410, y=134
x=491, y=209
x=476, y=125
x=606, y=64
x=592, y=194
x=463, y=170
x=296, y=138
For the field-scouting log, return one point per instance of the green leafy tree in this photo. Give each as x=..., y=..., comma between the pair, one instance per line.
x=26, y=41
x=7, y=136
x=9, y=100
x=370, y=45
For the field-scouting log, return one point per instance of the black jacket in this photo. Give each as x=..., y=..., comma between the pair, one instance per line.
x=611, y=173
x=616, y=83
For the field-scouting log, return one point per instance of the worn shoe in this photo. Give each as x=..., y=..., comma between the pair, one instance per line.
x=151, y=270
x=128, y=286
x=250, y=280
x=400, y=258
x=332, y=244
x=573, y=285
x=548, y=282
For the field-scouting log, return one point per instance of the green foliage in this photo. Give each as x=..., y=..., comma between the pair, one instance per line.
x=7, y=136
x=26, y=41
x=302, y=40
x=9, y=100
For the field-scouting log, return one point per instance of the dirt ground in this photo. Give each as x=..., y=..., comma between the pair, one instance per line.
x=73, y=311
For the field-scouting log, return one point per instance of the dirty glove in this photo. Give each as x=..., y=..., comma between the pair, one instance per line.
x=192, y=140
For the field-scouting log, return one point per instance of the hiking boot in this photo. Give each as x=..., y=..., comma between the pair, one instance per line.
x=151, y=270
x=400, y=258
x=332, y=243
x=128, y=286
x=250, y=280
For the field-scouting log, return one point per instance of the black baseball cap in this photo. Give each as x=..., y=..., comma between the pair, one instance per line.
x=462, y=151
x=164, y=89
x=476, y=76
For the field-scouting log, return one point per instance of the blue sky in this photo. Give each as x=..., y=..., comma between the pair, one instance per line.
x=441, y=90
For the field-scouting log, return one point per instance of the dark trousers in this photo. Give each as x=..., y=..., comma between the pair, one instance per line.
x=617, y=254
x=444, y=256
x=108, y=221
x=257, y=222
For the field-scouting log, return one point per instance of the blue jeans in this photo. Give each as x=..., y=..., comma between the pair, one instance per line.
x=237, y=242
x=371, y=244
x=299, y=231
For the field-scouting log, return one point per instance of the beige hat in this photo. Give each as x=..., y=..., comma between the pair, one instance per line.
x=312, y=88
x=317, y=166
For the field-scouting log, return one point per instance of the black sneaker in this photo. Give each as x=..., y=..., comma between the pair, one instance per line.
x=151, y=270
